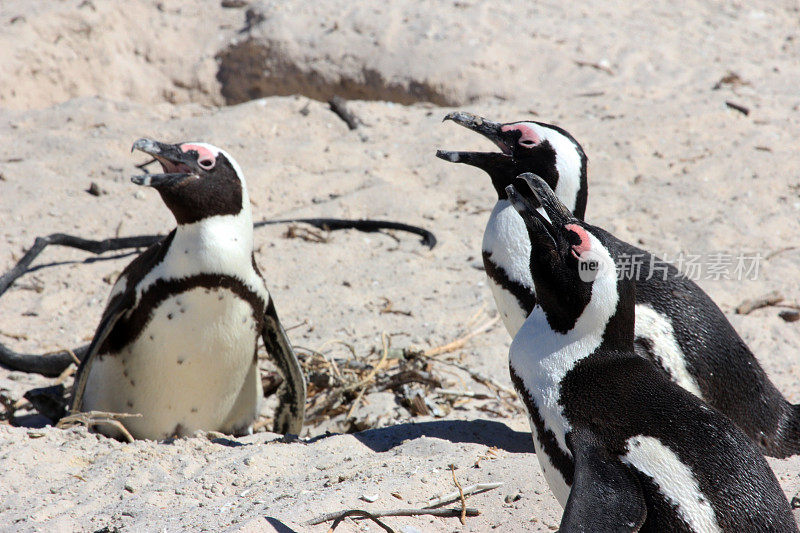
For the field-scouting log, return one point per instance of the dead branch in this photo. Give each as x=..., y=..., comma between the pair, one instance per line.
x=445, y=513
x=450, y=497
x=780, y=251
x=367, y=380
x=298, y=232
x=464, y=394
x=388, y=307
x=52, y=366
x=411, y=376
x=361, y=514
x=91, y=419
x=748, y=306
x=477, y=376
x=365, y=225
x=47, y=365
x=596, y=66
x=460, y=342
x=339, y=106
x=463, y=516
x=737, y=107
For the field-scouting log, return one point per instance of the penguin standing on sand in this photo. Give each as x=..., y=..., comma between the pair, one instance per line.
x=178, y=339
x=622, y=447
x=678, y=326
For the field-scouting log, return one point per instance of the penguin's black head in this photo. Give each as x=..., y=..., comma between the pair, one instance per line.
x=199, y=180
x=542, y=149
x=572, y=266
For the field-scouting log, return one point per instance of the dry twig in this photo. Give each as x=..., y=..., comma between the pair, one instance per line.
x=597, y=66
x=738, y=107
x=91, y=419
x=388, y=307
x=450, y=497
x=461, y=341
x=445, y=513
x=463, y=516
x=748, y=306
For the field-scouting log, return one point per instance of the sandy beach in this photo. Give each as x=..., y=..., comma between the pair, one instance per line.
x=690, y=119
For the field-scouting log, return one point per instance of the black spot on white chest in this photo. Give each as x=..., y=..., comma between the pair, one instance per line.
x=179, y=307
x=199, y=323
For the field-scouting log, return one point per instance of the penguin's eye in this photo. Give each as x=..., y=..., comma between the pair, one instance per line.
x=578, y=240
x=206, y=159
x=528, y=137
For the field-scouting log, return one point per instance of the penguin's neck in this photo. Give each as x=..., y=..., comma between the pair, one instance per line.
x=552, y=353
x=220, y=243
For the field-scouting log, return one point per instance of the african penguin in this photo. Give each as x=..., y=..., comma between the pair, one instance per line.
x=622, y=447
x=678, y=326
x=545, y=150
x=178, y=339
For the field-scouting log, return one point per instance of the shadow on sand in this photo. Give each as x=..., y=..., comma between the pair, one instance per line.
x=486, y=432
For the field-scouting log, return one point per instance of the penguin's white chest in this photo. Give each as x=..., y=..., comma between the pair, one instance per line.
x=192, y=367
x=558, y=485
x=508, y=246
x=541, y=358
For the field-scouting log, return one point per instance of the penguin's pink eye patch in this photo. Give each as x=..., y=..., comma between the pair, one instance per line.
x=205, y=158
x=528, y=137
x=584, y=244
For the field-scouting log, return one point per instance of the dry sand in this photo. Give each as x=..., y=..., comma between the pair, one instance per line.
x=671, y=169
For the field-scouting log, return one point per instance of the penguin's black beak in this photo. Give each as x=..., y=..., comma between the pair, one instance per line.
x=543, y=231
x=528, y=195
x=491, y=130
x=177, y=165
x=491, y=162
x=559, y=215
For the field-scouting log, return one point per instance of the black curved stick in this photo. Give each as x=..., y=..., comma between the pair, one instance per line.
x=364, y=224
x=87, y=245
x=54, y=364
x=50, y=365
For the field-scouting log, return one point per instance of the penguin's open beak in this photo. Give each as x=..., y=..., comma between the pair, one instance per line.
x=488, y=161
x=531, y=193
x=177, y=164
x=487, y=128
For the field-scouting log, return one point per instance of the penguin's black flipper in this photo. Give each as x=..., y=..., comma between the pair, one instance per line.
x=110, y=318
x=290, y=414
x=605, y=496
x=117, y=306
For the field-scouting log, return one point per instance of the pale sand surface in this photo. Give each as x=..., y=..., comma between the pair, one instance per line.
x=671, y=169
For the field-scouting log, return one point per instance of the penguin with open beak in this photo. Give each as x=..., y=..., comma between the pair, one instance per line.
x=177, y=343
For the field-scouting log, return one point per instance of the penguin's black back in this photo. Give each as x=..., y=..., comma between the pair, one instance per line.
x=727, y=373
x=620, y=395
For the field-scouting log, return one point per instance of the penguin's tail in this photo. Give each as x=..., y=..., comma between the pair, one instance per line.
x=787, y=438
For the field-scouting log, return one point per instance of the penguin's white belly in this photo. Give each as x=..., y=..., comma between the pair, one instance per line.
x=511, y=312
x=191, y=368
x=555, y=480
x=506, y=241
